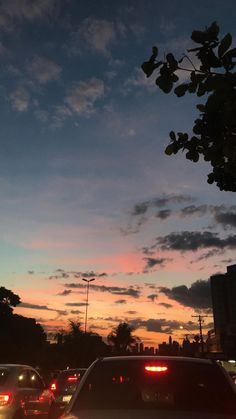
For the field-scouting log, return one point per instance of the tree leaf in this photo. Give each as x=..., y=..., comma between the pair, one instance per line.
x=199, y=37
x=172, y=61
x=169, y=149
x=225, y=44
x=181, y=90
x=172, y=135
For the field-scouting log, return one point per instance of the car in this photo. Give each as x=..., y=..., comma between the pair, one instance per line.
x=63, y=386
x=23, y=393
x=153, y=387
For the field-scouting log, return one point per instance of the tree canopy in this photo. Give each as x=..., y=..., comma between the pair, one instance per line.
x=214, y=131
x=8, y=300
x=121, y=338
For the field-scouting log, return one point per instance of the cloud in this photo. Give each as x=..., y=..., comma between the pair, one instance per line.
x=193, y=240
x=89, y=274
x=152, y=297
x=42, y=307
x=64, y=293
x=44, y=70
x=142, y=207
x=12, y=10
x=131, y=312
x=165, y=305
x=197, y=296
x=20, y=99
x=227, y=219
x=157, y=325
x=163, y=214
x=75, y=312
x=35, y=306
x=120, y=302
x=97, y=34
x=151, y=262
x=76, y=304
x=138, y=80
x=82, y=96
x=132, y=292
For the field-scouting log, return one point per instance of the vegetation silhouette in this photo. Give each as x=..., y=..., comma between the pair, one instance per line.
x=122, y=338
x=21, y=338
x=214, y=131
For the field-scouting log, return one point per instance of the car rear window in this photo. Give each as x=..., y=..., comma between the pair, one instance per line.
x=69, y=378
x=4, y=372
x=182, y=386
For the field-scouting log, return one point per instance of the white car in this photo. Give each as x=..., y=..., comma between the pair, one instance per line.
x=23, y=393
x=153, y=387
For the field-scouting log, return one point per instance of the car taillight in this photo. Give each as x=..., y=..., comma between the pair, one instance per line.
x=72, y=379
x=5, y=399
x=155, y=368
x=53, y=386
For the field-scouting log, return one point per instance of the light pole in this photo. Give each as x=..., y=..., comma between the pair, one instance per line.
x=86, y=312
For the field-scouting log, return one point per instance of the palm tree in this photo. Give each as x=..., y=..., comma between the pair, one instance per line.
x=121, y=338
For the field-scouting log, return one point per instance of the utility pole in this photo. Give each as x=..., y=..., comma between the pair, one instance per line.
x=86, y=311
x=200, y=321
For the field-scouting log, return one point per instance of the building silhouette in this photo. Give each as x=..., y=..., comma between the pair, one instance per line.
x=223, y=291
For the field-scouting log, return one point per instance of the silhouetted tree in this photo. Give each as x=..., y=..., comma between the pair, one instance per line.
x=121, y=338
x=7, y=300
x=214, y=131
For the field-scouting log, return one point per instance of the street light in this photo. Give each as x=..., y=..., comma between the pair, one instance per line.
x=86, y=312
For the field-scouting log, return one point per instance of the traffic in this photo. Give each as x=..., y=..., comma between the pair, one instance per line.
x=128, y=387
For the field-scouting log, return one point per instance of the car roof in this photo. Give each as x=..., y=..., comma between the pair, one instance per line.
x=156, y=358
x=15, y=366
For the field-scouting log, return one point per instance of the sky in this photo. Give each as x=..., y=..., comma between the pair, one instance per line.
x=86, y=188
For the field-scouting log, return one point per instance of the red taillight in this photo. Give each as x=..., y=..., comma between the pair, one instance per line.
x=72, y=378
x=53, y=386
x=156, y=368
x=5, y=399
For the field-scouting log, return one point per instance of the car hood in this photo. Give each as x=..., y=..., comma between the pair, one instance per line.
x=151, y=414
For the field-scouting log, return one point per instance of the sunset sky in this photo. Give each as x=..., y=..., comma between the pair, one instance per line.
x=86, y=189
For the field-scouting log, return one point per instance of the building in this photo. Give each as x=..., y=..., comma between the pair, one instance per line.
x=223, y=291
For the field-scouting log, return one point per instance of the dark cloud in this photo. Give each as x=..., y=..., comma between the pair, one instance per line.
x=75, y=312
x=207, y=255
x=89, y=274
x=75, y=304
x=132, y=292
x=166, y=326
x=31, y=272
x=197, y=296
x=151, y=262
x=156, y=325
x=131, y=312
x=152, y=297
x=35, y=306
x=62, y=274
x=227, y=219
x=142, y=207
x=194, y=240
x=163, y=214
x=165, y=305
x=120, y=302
x=42, y=307
x=64, y=293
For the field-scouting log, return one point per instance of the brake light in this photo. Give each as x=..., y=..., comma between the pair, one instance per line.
x=53, y=386
x=156, y=368
x=5, y=399
x=72, y=378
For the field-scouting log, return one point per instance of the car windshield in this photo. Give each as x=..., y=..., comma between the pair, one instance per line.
x=182, y=386
x=4, y=372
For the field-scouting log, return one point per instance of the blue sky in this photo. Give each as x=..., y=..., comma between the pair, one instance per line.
x=86, y=189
